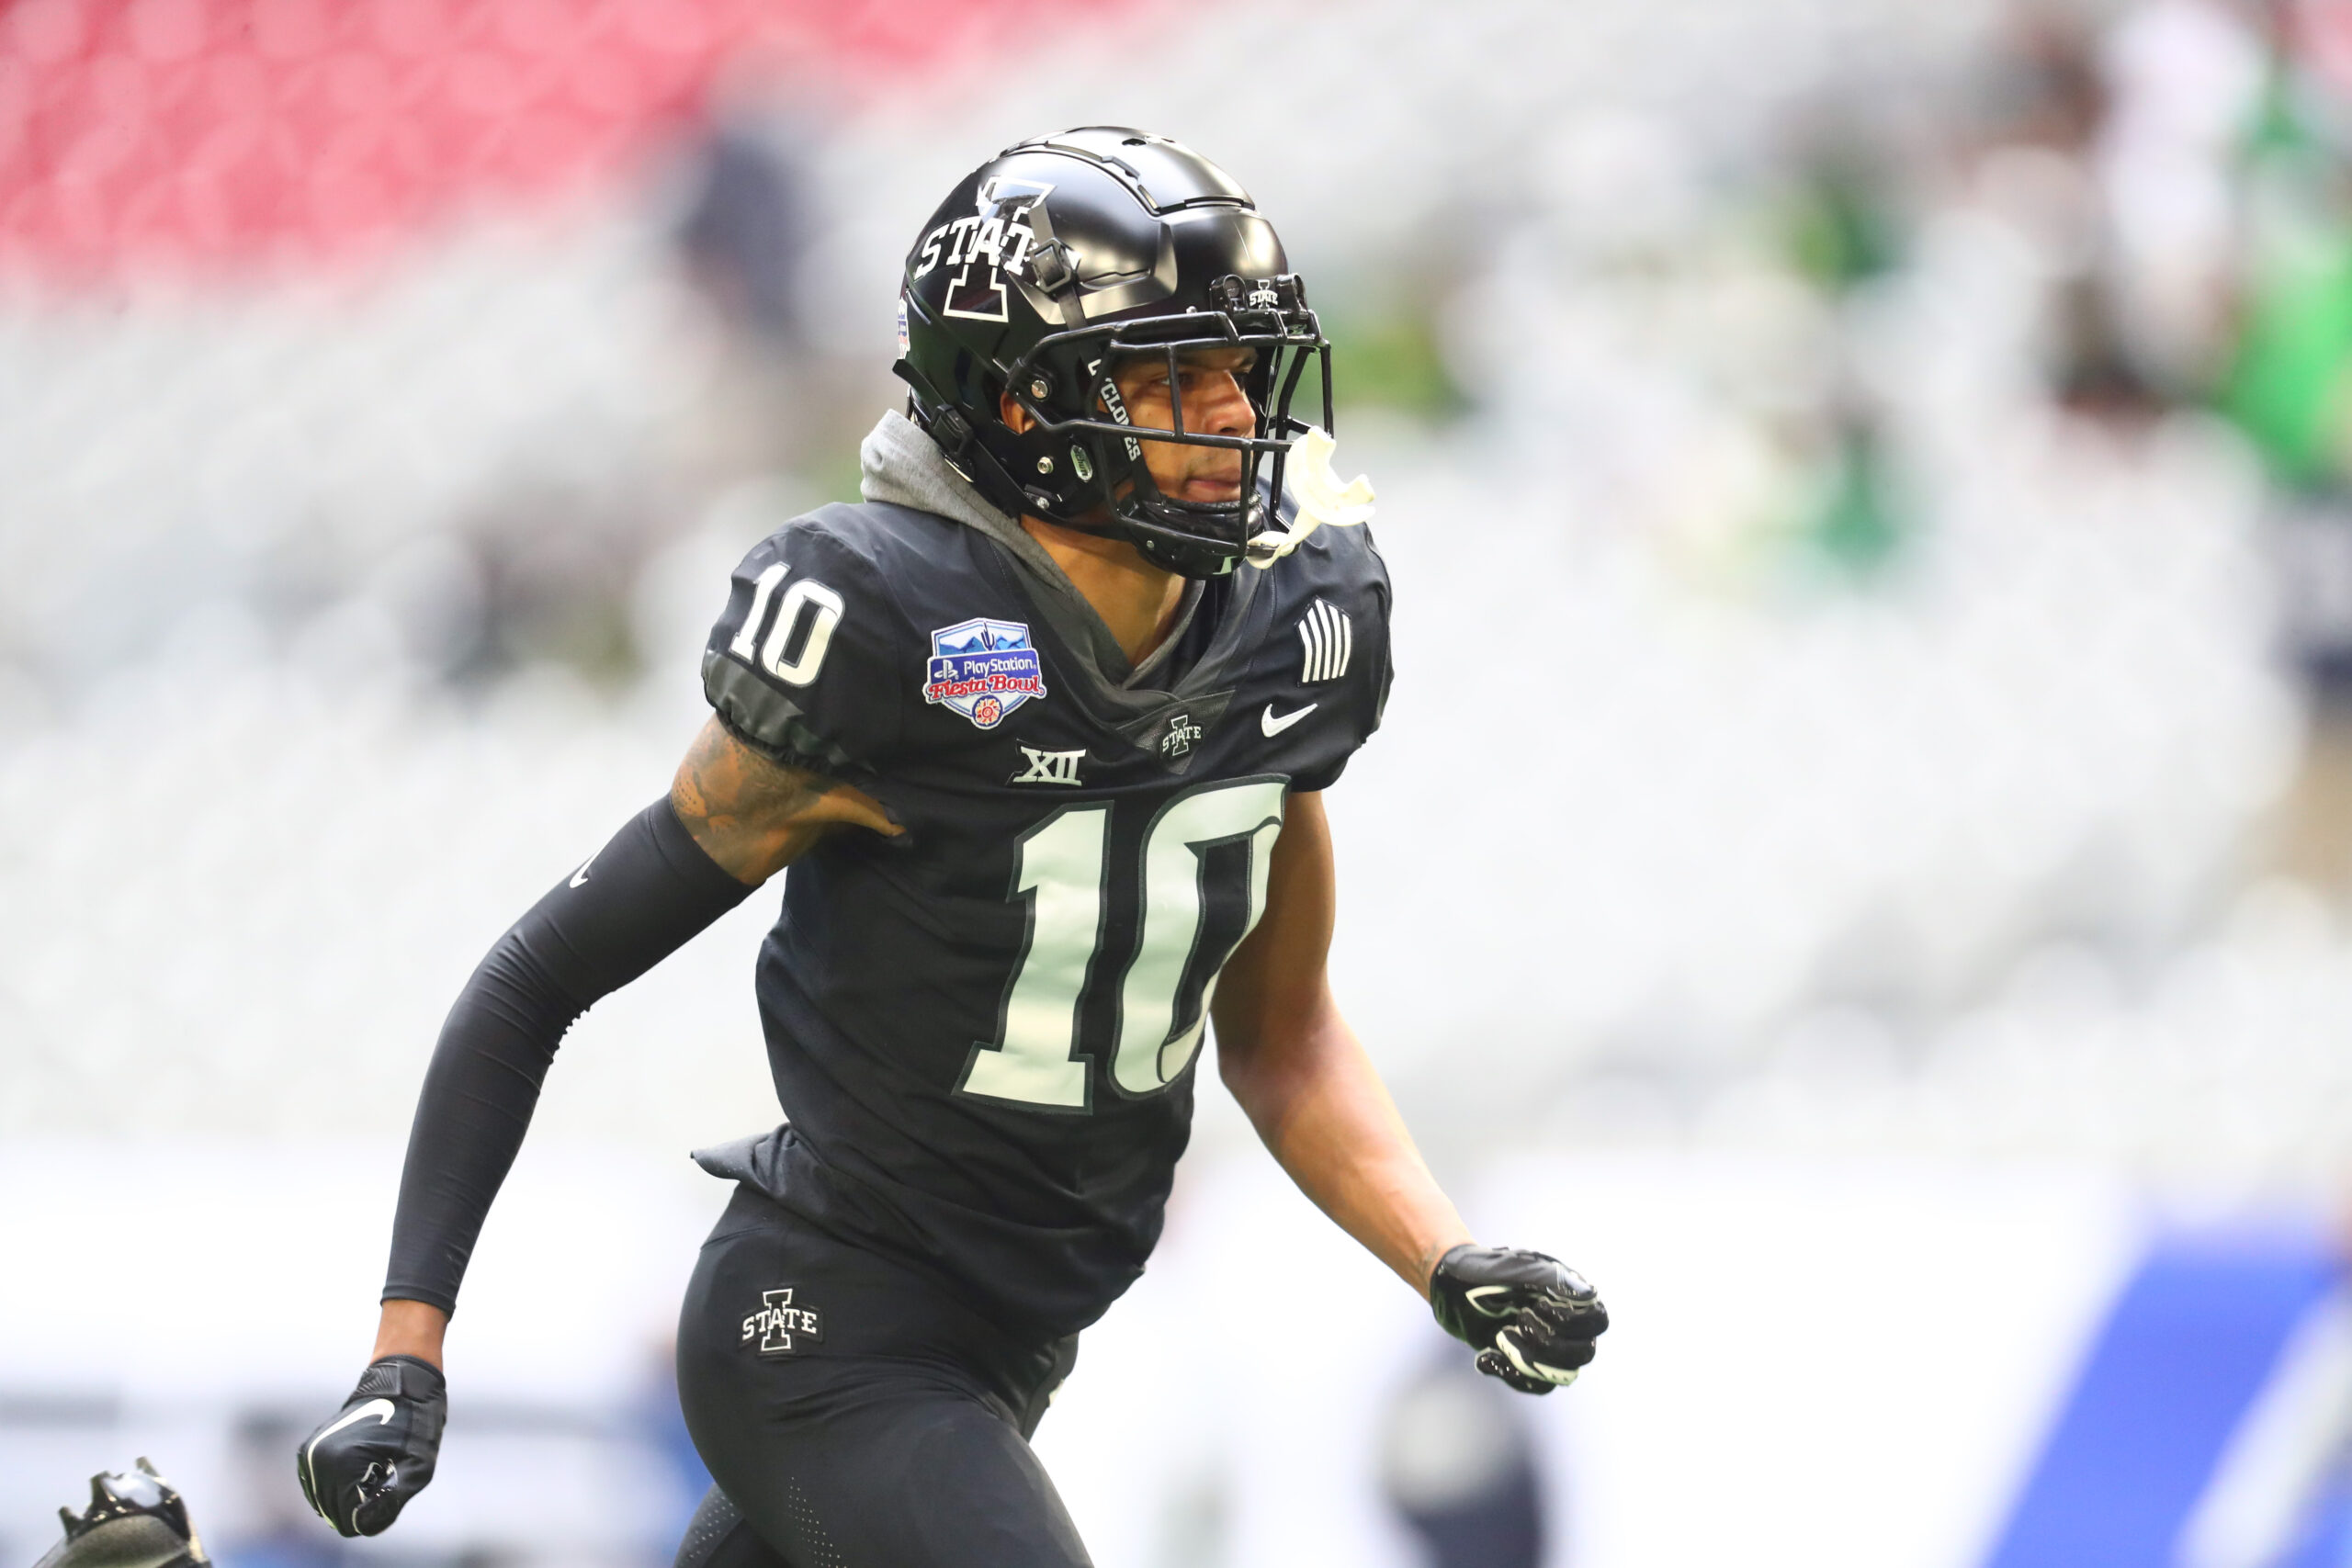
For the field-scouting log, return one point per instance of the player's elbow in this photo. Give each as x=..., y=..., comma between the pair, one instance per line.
x=1259, y=1058
x=1239, y=1048
x=1249, y=1077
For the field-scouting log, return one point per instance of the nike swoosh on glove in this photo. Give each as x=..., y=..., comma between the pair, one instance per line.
x=1531, y=1319
x=361, y=1467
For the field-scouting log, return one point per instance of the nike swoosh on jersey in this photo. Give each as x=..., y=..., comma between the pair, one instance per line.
x=582, y=874
x=1273, y=725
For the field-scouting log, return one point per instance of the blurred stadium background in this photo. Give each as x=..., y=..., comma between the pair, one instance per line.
x=1857, y=861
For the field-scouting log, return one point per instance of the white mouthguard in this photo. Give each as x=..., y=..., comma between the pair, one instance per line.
x=1321, y=499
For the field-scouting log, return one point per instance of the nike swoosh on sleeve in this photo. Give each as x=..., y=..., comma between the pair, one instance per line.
x=1273, y=725
x=582, y=874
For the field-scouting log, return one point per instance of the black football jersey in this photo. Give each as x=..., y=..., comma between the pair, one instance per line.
x=984, y=1031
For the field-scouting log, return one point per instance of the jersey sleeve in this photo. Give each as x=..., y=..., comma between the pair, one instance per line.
x=1352, y=633
x=805, y=661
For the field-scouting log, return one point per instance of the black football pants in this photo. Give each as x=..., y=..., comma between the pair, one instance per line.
x=854, y=1413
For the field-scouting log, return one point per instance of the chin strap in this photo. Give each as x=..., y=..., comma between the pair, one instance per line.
x=1321, y=499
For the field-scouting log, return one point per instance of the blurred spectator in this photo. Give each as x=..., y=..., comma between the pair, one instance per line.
x=279, y=1530
x=661, y=1428
x=1456, y=1464
x=2184, y=81
x=746, y=228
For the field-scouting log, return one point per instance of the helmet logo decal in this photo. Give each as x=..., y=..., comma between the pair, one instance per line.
x=980, y=302
x=1000, y=225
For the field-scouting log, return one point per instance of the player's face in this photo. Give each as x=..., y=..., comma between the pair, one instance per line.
x=1209, y=383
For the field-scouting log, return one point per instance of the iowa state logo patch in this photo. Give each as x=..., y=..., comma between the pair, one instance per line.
x=781, y=1324
x=983, y=669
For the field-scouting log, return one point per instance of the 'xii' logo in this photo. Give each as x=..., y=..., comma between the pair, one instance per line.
x=1050, y=767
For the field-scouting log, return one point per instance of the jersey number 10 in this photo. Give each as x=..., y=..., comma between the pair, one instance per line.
x=1064, y=872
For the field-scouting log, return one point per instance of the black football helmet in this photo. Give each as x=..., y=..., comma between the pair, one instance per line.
x=134, y=1520
x=1052, y=262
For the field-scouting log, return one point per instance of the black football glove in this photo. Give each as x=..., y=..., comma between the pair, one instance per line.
x=1531, y=1319
x=360, y=1469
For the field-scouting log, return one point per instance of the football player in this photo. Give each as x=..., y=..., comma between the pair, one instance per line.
x=1041, y=729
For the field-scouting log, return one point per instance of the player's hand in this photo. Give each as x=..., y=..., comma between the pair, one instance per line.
x=361, y=1467
x=1531, y=1319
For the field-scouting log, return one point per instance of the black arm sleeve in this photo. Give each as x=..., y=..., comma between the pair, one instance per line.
x=640, y=898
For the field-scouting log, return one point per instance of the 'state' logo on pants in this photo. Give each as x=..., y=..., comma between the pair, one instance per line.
x=779, y=1326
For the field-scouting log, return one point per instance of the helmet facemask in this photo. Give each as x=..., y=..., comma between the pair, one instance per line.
x=1082, y=463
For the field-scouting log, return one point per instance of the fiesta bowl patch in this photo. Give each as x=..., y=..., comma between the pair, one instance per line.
x=983, y=669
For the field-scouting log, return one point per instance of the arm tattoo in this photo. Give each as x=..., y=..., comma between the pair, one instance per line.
x=724, y=787
x=755, y=815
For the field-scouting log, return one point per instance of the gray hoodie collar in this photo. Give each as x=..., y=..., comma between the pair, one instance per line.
x=900, y=466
